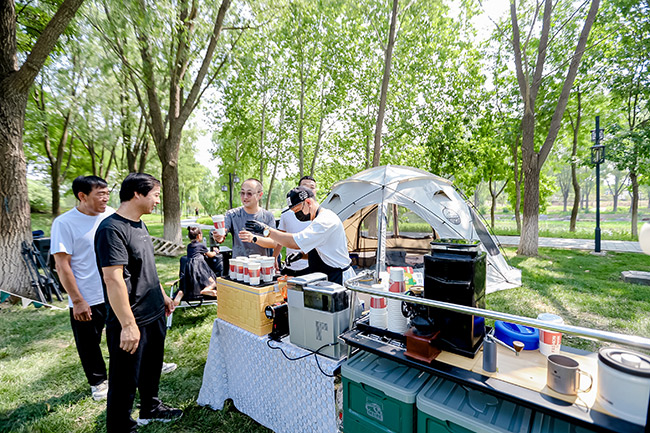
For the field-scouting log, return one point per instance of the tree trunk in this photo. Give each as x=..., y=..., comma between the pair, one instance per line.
x=171, y=198
x=574, y=168
x=277, y=157
x=384, y=85
x=530, y=228
x=635, y=204
x=318, y=143
x=576, y=198
x=262, y=139
x=301, y=125
x=15, y=221
x=565, y=199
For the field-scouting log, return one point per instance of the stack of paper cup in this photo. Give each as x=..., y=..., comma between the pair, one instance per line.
x=220, y=224
x=254, y=268
x=232, y=272
x=378, y=309
x=550, y=341
x=268, y=269
x=396, y=322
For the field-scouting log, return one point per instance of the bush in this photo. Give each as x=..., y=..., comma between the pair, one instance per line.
x=204, y=220
x=40, y=196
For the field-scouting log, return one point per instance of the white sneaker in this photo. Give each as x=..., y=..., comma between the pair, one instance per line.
x=168, y=367
x=100, y=391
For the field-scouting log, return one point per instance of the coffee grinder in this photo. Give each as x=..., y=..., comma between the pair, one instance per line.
x=279, y=313
x=455, y=272
x=422, y=336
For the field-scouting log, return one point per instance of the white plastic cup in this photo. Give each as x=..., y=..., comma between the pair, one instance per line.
x=550, y=341
x=254, y=273
x=232, y=271
x=255, y=256
x=219, y=222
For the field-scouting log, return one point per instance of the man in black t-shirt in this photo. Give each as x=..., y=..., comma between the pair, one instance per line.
x=135, y=322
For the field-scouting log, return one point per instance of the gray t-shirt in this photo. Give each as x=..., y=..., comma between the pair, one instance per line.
x=236, y=221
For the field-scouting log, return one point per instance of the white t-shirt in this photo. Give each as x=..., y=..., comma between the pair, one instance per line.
x=290, y=224
x=327, y=235
x=73, y=233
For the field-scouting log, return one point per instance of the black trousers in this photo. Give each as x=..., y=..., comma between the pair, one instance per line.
x=87, y=338
x=127, y=372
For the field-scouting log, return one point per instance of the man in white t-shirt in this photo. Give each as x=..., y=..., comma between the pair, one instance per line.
x=324, y=239
x=72, y=244
x=290, y=224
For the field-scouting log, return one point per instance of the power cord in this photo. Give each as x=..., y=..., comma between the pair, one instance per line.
x=316, y=353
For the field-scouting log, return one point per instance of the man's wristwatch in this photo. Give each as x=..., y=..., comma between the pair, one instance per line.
x=254, y=239
x=266, y=232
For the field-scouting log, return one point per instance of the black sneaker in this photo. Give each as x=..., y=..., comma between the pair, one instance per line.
x=161, y=413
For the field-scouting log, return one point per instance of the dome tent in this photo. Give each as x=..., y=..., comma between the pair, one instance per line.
x=392, y=213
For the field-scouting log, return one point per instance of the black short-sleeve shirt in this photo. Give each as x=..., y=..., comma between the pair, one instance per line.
x=120, y=241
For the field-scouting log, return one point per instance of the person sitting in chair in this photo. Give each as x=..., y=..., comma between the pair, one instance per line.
x=197, y=272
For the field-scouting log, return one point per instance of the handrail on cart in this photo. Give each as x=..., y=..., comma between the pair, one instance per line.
x=613, y=337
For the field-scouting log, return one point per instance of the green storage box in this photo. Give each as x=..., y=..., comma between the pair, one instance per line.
x=444, y=406
x=379, y=394
x=543, y=423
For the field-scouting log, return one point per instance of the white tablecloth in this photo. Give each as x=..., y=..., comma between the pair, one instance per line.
x=285, y=396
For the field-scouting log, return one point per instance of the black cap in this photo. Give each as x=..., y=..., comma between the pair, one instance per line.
x=297, y=196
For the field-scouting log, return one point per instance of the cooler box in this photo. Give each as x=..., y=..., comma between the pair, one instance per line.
x=296, y=302
x=379, y=394
x=543, y=423
x=444, y=406
x=243, y=305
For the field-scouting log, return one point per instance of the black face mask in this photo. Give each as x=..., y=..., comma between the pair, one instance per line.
x=301, y=216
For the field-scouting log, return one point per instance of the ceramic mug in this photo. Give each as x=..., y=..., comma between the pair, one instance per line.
x=563, y=375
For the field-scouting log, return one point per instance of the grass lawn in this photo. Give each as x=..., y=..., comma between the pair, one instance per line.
x=43, y=389
x=610, y=230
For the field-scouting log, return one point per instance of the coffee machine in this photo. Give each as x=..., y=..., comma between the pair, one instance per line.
x=455, y=272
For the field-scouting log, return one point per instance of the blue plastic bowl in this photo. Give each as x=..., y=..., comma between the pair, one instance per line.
x=509, y=332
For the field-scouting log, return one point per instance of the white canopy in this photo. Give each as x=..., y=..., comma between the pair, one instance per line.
x=400, y=210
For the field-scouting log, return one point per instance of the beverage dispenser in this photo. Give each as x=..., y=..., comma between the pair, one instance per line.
x=455, y=272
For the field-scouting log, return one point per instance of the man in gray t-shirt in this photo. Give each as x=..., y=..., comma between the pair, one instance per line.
x=251, y=194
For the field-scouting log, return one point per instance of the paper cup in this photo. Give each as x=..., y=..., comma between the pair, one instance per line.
x=219, y=222
x=232, y=271
x=247, y=277
x=268, y=269
x=254, y=273
x=550, y=341
x=240, y=269
x=378, y=317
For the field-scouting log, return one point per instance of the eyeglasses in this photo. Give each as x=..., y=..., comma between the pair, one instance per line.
x=248, y=193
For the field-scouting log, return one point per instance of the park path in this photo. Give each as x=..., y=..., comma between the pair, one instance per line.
x=513, y=241
x=576, y=244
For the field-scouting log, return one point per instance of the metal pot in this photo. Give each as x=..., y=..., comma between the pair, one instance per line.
x=624, y=383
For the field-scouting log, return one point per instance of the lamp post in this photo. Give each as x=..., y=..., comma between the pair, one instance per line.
x=597, y=157
x=232, y=179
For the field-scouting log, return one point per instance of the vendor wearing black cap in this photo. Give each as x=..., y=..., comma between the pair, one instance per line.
x=324, y=239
